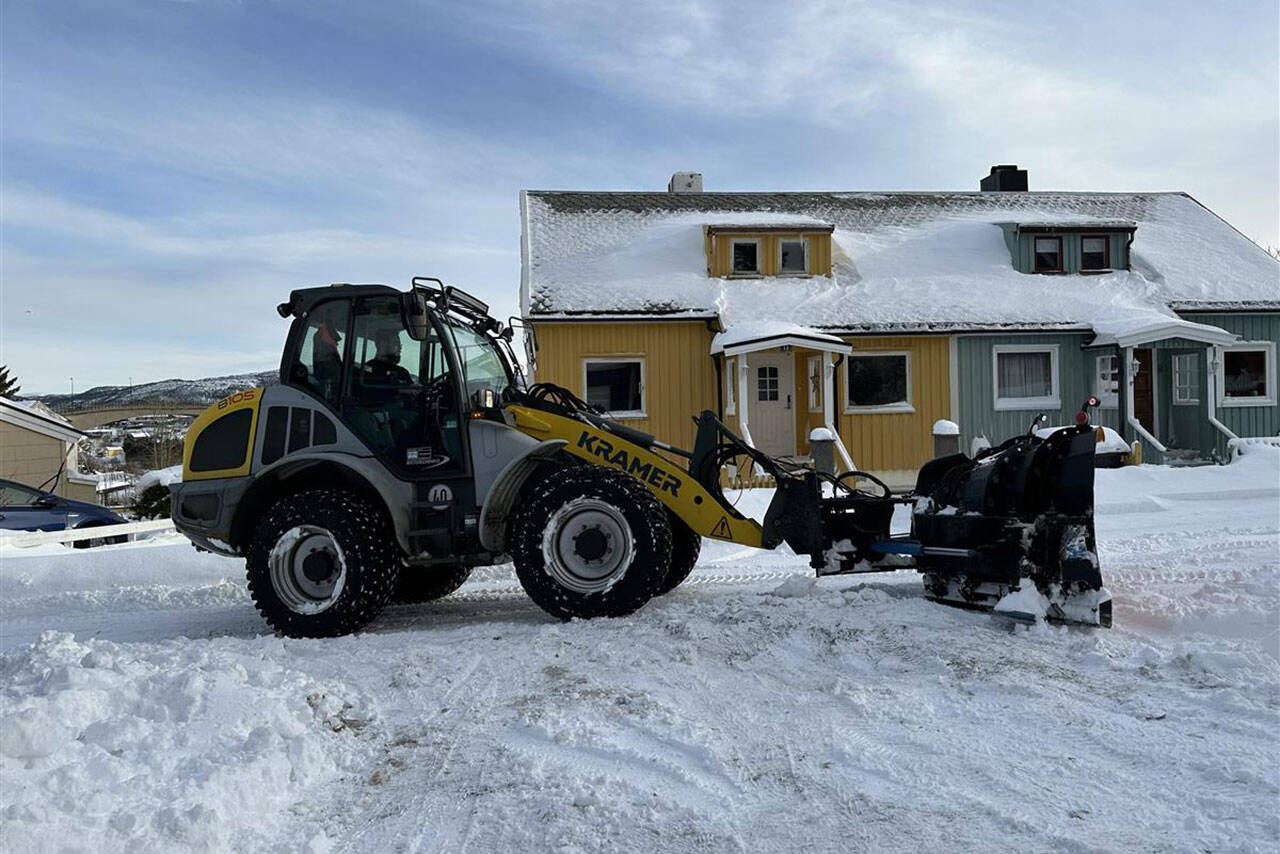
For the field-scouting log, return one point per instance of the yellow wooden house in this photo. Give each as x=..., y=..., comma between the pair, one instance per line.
x=694, y=312
x=876, y=315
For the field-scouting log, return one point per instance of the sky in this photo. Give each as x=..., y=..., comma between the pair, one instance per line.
x=170, y=170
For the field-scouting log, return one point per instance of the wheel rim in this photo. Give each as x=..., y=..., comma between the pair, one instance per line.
x=308, y=569
x=588, y=545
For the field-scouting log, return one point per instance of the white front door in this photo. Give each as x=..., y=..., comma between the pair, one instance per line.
x=772, y=406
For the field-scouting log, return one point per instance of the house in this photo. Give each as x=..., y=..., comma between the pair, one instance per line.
x=38, y=448
x=877, y=314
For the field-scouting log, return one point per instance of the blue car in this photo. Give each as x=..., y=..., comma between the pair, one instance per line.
x=23, y=508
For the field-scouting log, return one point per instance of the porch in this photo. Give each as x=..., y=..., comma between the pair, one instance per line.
x=779, y=384
x=1173, y=379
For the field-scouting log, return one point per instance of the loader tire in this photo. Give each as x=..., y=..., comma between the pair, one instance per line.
x=428, y=583
x=591, y=542
x=686, y=544
x=322, y=563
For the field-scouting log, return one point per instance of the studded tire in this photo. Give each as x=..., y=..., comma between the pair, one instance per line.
x=640, y=543
x=686, y=544
x=370, y=557
x=428, y=583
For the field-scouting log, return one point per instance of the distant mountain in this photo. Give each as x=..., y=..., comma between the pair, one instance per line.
x=180, y=392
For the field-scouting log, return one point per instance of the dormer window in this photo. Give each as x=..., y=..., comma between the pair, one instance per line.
x=746, y=257
x=792, y=258
x=1048, y=255
x=1095, y=252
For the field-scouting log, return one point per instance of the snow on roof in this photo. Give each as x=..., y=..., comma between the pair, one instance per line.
x=34, y=415
x=901, y=261
x=740, y=334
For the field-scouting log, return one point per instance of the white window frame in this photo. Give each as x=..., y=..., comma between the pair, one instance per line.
x=886, y=409
x=760, y=369
x=642, y=412
x=1178, y=371
x=804, y=243
x=1269, y=360
x=815, y=395
x=731, y=386
x=1108, y=399
x=1006, y=404
x=759, y=271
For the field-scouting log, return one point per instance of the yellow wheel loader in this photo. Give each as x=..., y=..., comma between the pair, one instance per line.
x=402, y=447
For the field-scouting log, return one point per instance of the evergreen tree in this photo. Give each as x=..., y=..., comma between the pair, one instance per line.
x=8, y=385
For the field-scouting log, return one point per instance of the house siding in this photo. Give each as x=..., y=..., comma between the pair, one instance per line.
x=978, y=415
x=1244, y=420
x=1022, y=247
x=679, y=373
x=33, y=458
x=898, y=441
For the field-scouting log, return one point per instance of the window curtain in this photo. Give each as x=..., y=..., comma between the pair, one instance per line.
x=1025, y=374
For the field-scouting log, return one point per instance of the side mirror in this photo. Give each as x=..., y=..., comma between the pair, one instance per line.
x=413, y=312
x=45, y=501
x=484, y=399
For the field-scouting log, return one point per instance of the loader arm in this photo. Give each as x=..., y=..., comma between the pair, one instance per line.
x=676, y=488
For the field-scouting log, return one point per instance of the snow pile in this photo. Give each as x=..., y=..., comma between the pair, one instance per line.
x=1110, y=443
x=163, y=477
x=943, y=427
x=752, y=703
x=191, y=746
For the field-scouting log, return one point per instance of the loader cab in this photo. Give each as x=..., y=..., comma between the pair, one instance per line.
x=401, y=370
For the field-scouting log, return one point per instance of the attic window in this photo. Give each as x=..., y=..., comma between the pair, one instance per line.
x=746, y=257
x=1048, y=255
x=1094, y=253
x=792, y=258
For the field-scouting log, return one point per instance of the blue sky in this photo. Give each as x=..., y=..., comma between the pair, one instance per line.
x=169, y=170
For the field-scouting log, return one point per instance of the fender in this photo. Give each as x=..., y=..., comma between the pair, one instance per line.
x=506, y=489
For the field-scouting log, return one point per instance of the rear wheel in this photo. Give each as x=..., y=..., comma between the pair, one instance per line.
x=686, y=544
x=428, y=583
x=322, y=563
x=591, y=542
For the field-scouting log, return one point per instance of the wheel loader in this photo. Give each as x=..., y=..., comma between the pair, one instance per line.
x=402, y=447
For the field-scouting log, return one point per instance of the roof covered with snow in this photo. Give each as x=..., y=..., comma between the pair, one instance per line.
x=901, y=261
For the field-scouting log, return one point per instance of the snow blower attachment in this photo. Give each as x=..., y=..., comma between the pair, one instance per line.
x=402, y=447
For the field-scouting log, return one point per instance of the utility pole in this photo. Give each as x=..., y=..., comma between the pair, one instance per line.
x=73, y=385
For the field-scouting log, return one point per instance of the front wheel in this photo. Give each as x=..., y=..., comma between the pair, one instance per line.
x=322, y=563
x=591, y=542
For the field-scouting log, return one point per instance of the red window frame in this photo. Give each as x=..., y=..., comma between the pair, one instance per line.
x=1035, y=264
x=1106, y=252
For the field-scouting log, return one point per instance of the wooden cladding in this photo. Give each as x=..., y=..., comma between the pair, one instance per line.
x=769, y=243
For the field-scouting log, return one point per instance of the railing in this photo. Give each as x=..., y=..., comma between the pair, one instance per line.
x=124, y=529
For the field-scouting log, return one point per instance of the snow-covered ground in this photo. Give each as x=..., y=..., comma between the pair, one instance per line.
x=143, y=709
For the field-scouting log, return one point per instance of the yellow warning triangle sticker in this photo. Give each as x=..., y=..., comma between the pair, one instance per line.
x=721, y=529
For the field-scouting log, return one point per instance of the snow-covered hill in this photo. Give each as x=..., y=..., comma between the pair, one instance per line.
x=171, y=392
x=142, y=707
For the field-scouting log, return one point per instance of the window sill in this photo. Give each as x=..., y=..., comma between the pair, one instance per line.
x=1232, y=402
x=1027, y=403
x=745, y=276
x=1193, y=402
x=630, y=414
x=890, y=409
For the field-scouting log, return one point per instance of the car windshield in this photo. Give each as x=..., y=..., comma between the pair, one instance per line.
x=17, y=495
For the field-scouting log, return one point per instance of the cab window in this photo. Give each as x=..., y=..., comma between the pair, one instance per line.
x=400, y=397
x=318, y=365
x=482, y=367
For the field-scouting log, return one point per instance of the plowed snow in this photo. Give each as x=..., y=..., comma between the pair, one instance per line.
x=143, y=708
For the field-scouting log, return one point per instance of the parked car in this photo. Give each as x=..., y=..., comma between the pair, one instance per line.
x=24, y=508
